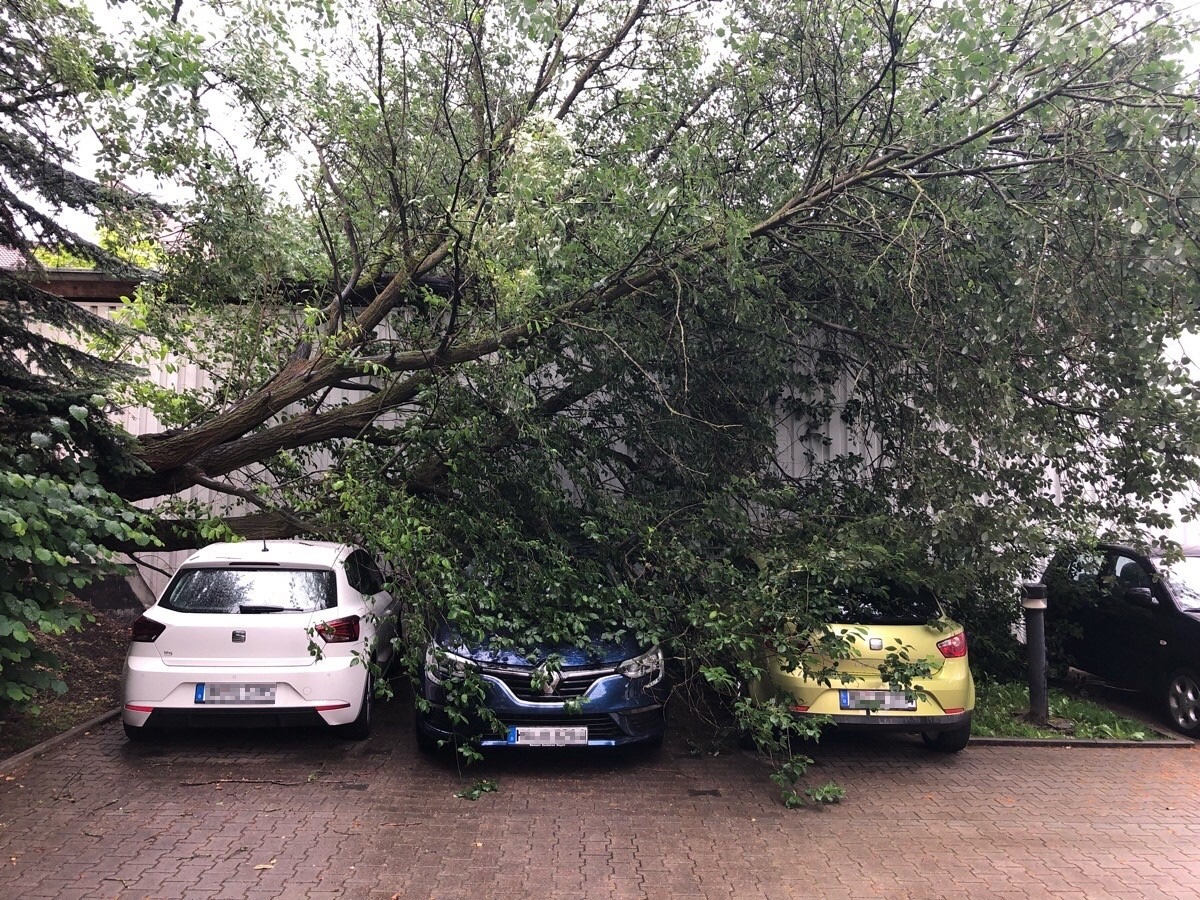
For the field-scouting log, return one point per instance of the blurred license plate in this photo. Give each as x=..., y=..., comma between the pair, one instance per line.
x=547, y=736
x=235, y=694
x=878, y=700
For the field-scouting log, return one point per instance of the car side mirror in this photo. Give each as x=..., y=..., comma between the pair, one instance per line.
x=1140, y=596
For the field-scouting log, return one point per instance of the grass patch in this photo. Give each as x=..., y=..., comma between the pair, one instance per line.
x=999, y=711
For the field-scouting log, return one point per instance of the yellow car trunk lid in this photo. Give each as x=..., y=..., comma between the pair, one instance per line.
x=870, y=646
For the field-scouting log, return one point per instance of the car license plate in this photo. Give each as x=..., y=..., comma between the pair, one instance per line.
x=235, y=694
x=547, y=736
x=878, y=700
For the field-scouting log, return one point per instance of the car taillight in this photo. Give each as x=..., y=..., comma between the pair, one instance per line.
x=339, y=631
x=954, y=647
x=145, y=630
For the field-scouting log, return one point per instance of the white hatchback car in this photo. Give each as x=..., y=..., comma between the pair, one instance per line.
x=262, y=633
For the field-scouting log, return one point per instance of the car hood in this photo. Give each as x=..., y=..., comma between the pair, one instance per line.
x=596, y=652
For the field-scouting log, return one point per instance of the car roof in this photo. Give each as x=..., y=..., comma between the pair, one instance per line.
x=307, y=553
x=1154, y=552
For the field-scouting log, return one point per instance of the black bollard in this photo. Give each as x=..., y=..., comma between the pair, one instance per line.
x=1033, y=600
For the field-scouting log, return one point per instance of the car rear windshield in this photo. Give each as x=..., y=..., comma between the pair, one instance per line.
x=252, y=591
x=890, y=606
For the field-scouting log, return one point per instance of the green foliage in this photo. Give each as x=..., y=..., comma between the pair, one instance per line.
x=136, y=251
x=977, y=270
x=899, y=671
x=55, y=518
x=134, y=248
x=478, y=789
x=62, y=259
x=788, y=774
x=827, y=793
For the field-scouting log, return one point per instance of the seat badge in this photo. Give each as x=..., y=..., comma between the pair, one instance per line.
x=876, y=643
x=239, y=637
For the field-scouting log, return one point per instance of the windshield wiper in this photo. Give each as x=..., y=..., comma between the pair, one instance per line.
x=264, y=609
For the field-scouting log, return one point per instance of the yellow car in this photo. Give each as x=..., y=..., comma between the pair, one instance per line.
x=852, y=692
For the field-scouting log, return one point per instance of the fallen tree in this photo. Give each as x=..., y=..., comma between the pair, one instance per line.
x=963, y=235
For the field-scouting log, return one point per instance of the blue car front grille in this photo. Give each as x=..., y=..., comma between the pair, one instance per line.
x=572, y=684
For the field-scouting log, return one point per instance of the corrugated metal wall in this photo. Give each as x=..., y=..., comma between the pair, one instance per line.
x=155, y=568
x=804, y=445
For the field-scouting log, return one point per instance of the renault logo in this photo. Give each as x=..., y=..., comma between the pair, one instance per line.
x=551, y=683
x=239, y=637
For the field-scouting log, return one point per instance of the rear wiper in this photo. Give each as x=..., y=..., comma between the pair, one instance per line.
x=264, y=609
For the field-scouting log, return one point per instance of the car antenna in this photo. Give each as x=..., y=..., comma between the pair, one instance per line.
x=264, y=545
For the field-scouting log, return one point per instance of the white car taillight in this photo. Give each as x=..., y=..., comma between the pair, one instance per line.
x=145, y=630
x=339, y=631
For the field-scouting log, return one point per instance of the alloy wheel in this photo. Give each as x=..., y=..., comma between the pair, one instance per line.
x=1183, y=700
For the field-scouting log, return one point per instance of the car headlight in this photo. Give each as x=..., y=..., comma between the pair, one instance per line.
x=441, y=664
x=649, y=665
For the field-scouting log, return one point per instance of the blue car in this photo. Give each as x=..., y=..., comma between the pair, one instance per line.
x=609, y=694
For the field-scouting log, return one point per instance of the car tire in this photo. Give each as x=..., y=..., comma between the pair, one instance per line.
x=950, y=741
x=1182, y=702
x=136, y=734
x=360, y=728
x=426, y=743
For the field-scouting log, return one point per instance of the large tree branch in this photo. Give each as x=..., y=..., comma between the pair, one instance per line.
x=181, y=534
x=598, y=57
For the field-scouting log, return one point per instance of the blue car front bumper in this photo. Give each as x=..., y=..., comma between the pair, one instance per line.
x=616, y=710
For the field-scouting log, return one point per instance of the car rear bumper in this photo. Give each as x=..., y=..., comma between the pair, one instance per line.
x=329, y=691
x=272, y=717
x=946, y=697
x=898, y=723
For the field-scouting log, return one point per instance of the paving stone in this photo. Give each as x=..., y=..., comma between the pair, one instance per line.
x=301, y=814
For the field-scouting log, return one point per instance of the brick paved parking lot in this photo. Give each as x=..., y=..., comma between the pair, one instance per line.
x=300, y=814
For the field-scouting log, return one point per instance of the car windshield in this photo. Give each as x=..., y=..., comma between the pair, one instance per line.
x=251, y=591
x=1184, y=578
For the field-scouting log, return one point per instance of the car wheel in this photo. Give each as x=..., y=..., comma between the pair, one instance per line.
x=360, y=728
x=950, y=741
x=426, y=743
x=1183, y=702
